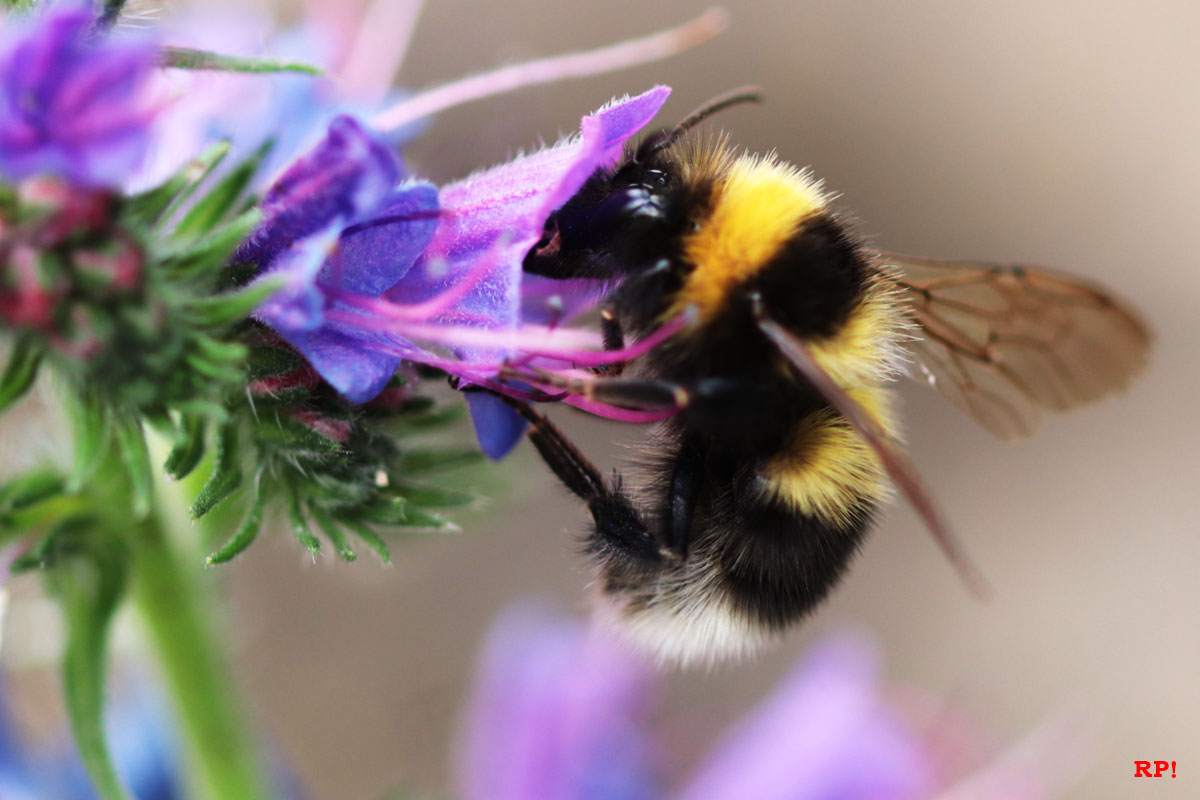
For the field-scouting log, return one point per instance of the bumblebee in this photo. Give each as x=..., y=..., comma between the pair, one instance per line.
x=761, y=487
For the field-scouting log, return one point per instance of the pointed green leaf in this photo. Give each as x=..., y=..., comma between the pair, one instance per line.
x=89, y=420
x=429, y=460
x=246, y=533
x=136, y=458
x=187, y=58
x=337, y=537
x=156, y=204
x=432, y=496
x=19, y=371
x=386, y=511
x=188, y=448
x=234, y=306
x=210, y=210
x=89, y=587
x=292, y=434
x=209, y=254
x=29, y=489
x=370, y=538
x=436, y=417
x=226, y=475
x=265, y=361
x=416, y=518
x=299, y=522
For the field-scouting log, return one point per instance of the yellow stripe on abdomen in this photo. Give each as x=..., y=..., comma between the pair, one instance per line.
x=827, y=470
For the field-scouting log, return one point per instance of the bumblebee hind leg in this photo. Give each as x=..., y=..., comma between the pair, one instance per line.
x=619, y=527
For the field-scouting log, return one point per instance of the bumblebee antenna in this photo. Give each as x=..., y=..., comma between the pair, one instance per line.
x=734, y=97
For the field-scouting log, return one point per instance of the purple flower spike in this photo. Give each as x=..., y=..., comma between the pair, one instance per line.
x=823, y=735
x=555, y=716
x=72, y=103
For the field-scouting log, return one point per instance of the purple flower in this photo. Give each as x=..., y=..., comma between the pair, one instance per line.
x=556, y=716
x=336, y=222
x=559, y=713
x=73, y=103
x=377, y=274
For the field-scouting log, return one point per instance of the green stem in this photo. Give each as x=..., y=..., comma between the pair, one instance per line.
x=174, y=598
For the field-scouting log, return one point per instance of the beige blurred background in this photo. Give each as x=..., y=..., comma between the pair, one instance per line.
x=1059, y=133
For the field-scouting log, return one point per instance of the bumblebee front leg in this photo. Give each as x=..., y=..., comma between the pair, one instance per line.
x=619, y=526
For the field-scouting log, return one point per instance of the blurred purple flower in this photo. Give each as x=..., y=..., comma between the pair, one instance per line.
x=556, y=716
x=73, y=103
x=377, y=274
x=558, y=713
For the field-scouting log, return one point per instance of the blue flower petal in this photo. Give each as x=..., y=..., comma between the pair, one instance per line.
x=347, y=363
x=346, y=175
x=373, y=255
x=497, y=426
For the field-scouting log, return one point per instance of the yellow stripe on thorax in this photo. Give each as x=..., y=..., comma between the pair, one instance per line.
x=758, y=205
x=826, y=469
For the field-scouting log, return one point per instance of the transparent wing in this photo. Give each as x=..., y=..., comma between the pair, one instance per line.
x=1005, y=342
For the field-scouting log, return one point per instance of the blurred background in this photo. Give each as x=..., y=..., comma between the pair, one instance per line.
x=1059, y=133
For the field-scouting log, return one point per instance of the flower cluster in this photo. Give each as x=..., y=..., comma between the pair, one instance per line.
x=560, y=712
x=380, y=268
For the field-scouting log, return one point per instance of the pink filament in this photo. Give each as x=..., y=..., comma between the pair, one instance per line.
x=546, y=70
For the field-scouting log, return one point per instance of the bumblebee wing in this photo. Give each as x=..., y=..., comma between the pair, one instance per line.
x=1005, y=342
x=892, y=456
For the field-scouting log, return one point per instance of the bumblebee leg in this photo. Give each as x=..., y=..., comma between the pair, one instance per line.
x=619, y=527
x=685, y=487
x=614, y=339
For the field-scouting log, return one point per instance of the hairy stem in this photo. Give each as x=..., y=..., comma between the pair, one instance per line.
x=176, y=600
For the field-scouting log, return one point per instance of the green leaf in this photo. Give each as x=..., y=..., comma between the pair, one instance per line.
x=337, y=537
x=187, y=58
x=234, y=306
x=188, y=449
x=292, y=434
x=299, y=522
x=386, y=511
x=20, y=371
x=416, y=518
x=436, y=417
x=265, y=361
x=89, y=587
x=246, y=533
x=429, y=460
x=370, y=538
x=156, y=204
x=226, y=475
x=89, y=420
x=136, y=458
x=29, y=489
x=208, y=212
x=209, y=253
x=434, y=496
